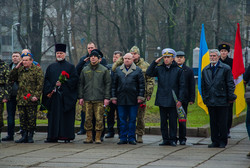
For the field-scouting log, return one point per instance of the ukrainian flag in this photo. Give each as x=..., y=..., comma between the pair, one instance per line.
x=203, y=61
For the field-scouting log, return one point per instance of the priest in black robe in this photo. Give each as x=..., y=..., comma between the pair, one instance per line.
x=60, y=97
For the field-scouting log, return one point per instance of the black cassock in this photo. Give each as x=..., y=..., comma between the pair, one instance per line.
x=61, y=106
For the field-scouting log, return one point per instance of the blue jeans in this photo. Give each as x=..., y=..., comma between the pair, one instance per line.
x=127, y=116
x=11, y=111
x=248, y=119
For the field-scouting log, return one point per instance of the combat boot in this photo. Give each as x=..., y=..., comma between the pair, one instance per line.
x=139, y=139
x=30, y=137
x=24, y=138
x=89, y=137
x=98, y=137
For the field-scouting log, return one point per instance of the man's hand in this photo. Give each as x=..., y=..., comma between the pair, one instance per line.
x=139, y=101
x=50, y=94
x=34, y=99
x=232, y=101
x=191, y=103
x=81, y=102
x=106, y=102
x=178, y=104
x=158, y=59
x=114, y=101
x=19, y=64
x=86, y=59
x=58, y=83
x=5, y=100
x=148, y=98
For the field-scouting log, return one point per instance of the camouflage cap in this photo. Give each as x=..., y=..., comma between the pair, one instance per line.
x=135, y=49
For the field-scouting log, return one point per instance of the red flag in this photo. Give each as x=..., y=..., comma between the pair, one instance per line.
x=238, y=65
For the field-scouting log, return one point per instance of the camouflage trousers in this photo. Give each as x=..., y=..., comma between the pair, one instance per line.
x=94, y=108
x=140, y=125
x=27, y=116
x=1, y=115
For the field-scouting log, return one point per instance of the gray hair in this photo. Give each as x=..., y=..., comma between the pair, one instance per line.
x=214, y=51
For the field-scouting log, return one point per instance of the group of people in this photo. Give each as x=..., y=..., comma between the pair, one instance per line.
x=123, y=88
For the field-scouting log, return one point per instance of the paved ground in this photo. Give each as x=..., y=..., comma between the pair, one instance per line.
x=109, y=154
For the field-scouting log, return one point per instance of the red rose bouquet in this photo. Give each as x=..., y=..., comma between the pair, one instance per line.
x=39, y=103
x=142, y=106
x=63, y=77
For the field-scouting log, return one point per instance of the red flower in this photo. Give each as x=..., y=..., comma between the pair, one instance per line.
x=67, y=75
x=64, y=73
x=28, y=95
x=143, y=106
x=182, y=120
x=24, y=97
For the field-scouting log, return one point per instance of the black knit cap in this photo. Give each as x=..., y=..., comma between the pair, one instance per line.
x=60, y=47
x=97, y=53
x=224, y=46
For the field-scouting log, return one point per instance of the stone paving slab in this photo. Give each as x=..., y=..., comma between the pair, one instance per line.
x=109, y=154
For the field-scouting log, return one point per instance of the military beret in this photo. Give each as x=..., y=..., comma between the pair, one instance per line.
x=168, y=52
x=27, y=54
x=180, y=53
x=135, y=49
x=97, y=53
x=224, y=46
x=60, y=47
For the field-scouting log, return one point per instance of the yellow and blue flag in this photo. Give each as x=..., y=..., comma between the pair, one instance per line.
x=203, y=62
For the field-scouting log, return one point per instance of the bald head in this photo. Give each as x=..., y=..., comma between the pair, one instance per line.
x=128, y=59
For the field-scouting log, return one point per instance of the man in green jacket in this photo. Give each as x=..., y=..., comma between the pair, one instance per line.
x=94, y=91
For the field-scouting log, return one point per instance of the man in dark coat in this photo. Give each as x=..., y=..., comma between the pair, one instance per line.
x=224, y=50
x=61, y=97
x=189, y=92
x=83, y=62
x=170, y=77
x=12, y=103
x=128, y=88
x=217, y=86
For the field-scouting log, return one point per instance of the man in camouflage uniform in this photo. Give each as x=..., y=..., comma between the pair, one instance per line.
x=149, y=87
x=4, y=83
x=30, y=79
x=94, y=91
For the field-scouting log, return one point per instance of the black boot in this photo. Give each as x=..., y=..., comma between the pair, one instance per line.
x=24, y=138
x=30, y=137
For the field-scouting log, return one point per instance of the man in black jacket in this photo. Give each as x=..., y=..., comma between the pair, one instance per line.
x=217, y=86
x=224, y=50
x=128, y=89
x=189, y=92
x=170, y=77
x=12, y=103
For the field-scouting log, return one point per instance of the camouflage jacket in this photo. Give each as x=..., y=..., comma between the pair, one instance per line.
x=4, y=81
x=149, y=81
x=30, y=81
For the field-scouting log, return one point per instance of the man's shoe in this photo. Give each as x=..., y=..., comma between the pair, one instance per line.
x=122, y=142
x=182, y=142
x=248, y=155
x=139, y=139
x=213, y=145
x=8, y=138
x=172, y=143
x=164, y=143
x=132, y=142
x=81, y=132
x=51, y=141
x=110, y=135
x=228, y=135
x=222, y=145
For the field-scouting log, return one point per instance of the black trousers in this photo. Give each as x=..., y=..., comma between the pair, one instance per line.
x=168, y=131
x=230, y=117
x=111, y=118
x=182, y=125
x=218, y=124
